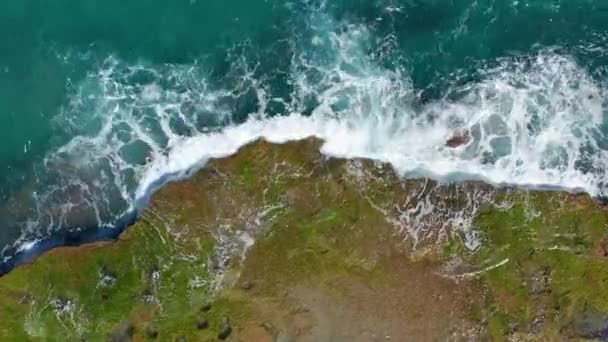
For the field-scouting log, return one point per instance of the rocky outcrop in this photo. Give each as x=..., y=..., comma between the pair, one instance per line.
x=279, y=242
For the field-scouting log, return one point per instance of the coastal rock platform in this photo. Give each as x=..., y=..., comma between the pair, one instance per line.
x=282, y=243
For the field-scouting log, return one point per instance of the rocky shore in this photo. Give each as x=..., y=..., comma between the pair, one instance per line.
x=281, y=243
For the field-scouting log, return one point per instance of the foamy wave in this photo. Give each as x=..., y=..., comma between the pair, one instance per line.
x=531, y=120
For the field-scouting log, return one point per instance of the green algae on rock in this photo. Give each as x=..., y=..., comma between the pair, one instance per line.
x=285, y=243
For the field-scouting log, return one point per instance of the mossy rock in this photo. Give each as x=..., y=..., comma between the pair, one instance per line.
x=285, y=243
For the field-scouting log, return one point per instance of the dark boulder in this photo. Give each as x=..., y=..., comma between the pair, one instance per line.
x=151, y=332
x=592, y=324
x=225, y=329
x=202, y=324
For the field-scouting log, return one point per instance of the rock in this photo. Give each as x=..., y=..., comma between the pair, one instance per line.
x=592, y=324
x=458, y=139
x=536, y=327
x=221, y=262
x=151, y=332
x=181, y=339
x=124, y=333
x=225, y=329
x=353, y=228
x=202, y=324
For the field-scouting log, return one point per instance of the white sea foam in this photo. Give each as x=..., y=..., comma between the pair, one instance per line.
x=533, y=121
x=532, y=126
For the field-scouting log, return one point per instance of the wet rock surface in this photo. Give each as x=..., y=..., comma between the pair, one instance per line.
x=294, y=246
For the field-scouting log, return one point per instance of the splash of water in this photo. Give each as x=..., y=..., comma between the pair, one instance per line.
x=533, y=120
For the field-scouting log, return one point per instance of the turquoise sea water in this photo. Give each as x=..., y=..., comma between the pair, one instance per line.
x=103, y=101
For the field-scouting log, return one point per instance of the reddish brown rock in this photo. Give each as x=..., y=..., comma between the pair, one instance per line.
x=458, y=138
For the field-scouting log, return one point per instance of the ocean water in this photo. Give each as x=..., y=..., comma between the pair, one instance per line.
x=102, y=102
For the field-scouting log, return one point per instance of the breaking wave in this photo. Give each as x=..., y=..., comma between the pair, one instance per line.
x=534, y=120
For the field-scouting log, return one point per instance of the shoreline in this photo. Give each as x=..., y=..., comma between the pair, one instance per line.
x=67, y=239
x=259, y=236
x=112, y=233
